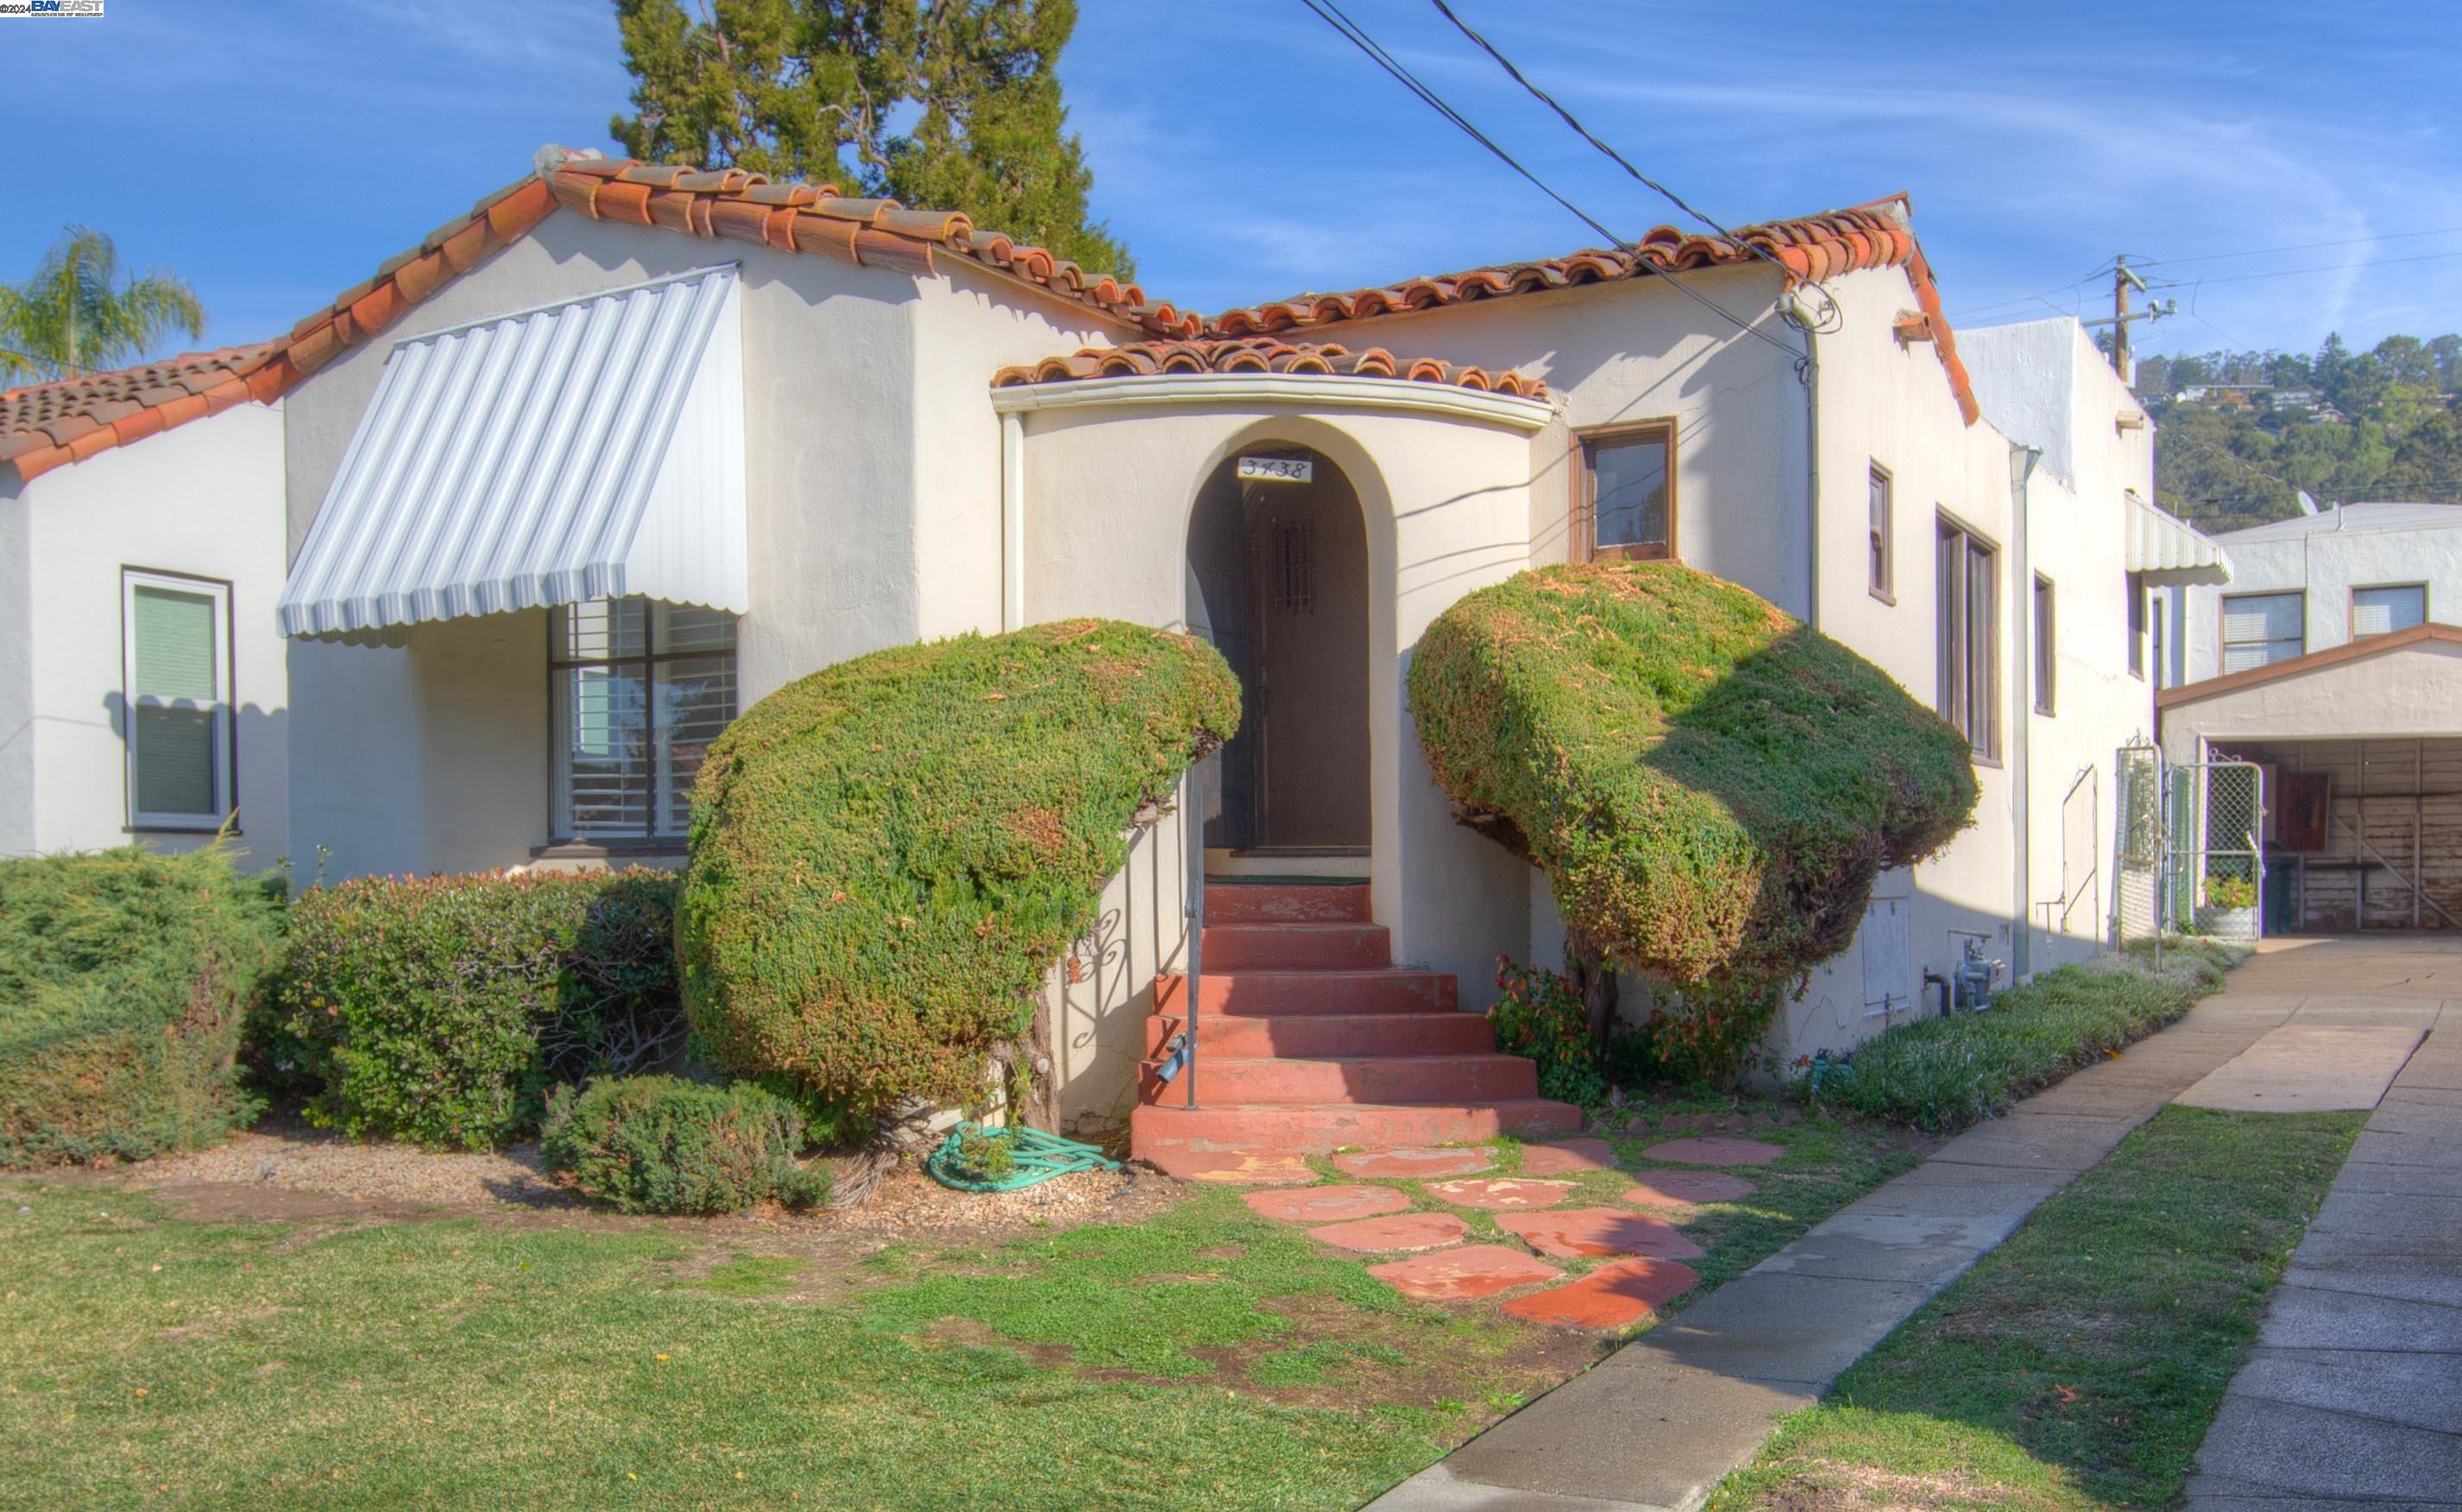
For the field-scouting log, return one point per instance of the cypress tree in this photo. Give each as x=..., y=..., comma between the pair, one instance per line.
x=951, y=104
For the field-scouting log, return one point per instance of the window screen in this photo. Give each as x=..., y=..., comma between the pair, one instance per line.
x=178, y=709
x=641, y=689
x=2262, y=628
x=2383, y=610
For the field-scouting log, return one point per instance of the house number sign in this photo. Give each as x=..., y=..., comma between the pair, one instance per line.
x=1278, y=469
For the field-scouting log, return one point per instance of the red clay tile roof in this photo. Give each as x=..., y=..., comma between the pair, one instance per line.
x=1261, y=355
x=1808, y=250
x=44, y=426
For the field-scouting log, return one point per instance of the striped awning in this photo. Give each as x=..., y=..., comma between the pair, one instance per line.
x=587, y=449
x=2165, y=549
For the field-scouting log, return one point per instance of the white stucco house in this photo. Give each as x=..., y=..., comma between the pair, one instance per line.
x=2332, y=659
x=593, y=467
x=143, y=689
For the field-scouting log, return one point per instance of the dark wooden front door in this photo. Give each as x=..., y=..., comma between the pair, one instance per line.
x=1308, y=582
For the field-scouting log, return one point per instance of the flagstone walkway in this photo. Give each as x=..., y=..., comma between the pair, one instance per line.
x=1642, y=1250
x=1659, y=1422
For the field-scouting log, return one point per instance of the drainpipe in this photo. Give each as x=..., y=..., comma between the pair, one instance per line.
x=2021, y=938
x=1012, y=521
x=1807, y=318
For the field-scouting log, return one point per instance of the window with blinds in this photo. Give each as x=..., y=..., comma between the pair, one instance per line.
x=2383, y=610
x=2259, y=629
x=175, y=637
x=641, y=688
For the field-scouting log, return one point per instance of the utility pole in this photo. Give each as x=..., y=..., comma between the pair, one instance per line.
x=2124, y=281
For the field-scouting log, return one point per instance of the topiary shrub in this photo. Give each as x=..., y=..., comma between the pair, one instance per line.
x=1709, y=787
x=888, y=855
x=661, y=1144
x=124, y=976
x=439, y=1009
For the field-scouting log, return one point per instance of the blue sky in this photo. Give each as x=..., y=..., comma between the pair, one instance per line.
x=275, y=152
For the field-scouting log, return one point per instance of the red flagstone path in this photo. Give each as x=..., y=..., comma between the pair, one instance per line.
x=1578, y=1232
x=1232, y=1168
x=1685, y=1188
x=1568, y=1158
x=1463, y=1275
x=1496, y=1193
x=1715, y=1150
x=1401, y=1231
x=1612, y=1296
x=1323, y=1204
x=1414, y=1164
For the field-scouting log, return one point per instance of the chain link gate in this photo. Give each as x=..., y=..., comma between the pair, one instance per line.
x=2188, y=857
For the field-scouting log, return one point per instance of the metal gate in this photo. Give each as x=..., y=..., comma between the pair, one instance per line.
x=2190, y=857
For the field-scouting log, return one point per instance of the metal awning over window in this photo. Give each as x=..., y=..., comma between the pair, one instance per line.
x=2167, y=549
x=587, y=449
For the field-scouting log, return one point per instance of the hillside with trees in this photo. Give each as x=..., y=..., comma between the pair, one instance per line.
x=2240, y=432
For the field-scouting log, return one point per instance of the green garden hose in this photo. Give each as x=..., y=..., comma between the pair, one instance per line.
x=1034, y=1157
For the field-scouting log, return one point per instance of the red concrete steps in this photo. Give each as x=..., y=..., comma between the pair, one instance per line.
x=1287, y=903
x=1394, y=989
x=1311, y=1036
x=1310, y=1040
x=1339, y=946
x=1403, y=1078
x=1164, y=1128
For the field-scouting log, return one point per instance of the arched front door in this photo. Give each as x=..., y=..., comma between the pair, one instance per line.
x=1279, y=554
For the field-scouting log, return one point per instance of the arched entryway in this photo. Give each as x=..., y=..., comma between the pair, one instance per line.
x=1278, y=568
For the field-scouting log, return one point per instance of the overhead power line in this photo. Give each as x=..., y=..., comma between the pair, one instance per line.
x=1332, y=15
x=2301, y=247
x=2328, y=268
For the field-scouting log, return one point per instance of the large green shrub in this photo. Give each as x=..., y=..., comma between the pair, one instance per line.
x=1710, y=785
x=124, y=979
x=889, y=854
x=439, y=1009
x=661, y=1144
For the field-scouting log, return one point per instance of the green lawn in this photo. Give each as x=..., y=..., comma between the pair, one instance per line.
x=1200, y=1357
x=2079, y=1365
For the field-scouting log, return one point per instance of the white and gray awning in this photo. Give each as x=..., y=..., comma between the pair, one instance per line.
x=2165, y=549
x=586, y=450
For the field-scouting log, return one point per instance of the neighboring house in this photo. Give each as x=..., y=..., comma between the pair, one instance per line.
x=2332, y=661
x=626, y=448
x=143, y=686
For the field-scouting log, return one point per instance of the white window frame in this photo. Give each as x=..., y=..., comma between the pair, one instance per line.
x=225, y=754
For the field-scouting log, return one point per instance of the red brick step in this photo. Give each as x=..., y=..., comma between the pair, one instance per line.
x=1318, y=947
x=1316, y=1036
x=1312, y=992
x=1286, y=903
x=1366, y=1079
x=1318, y=1128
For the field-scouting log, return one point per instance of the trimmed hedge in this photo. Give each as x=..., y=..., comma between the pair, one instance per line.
x=1942, y=1074
x=439, y=1009
x=888, y=855
x=661, y=1144
x=1710, y=785
x=124, y=976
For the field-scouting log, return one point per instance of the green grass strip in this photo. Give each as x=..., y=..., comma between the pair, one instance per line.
x=2079, y=1365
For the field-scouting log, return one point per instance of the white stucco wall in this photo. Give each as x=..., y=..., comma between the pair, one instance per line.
x=872, y=505
x=203, y=499
x=2327, y=564
x=2044, y=385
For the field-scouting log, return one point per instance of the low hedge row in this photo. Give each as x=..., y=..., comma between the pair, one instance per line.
x=440, y=1009
x=124, y=976
x=1940, y=1075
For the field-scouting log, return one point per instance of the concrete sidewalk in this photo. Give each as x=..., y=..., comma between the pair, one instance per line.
x=2353, y=1396
x=1658, y=1423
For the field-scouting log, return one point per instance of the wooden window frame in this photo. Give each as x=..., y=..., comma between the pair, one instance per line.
x=2351, y=608
x=226, y=712
x=1585, y=491
x=645, y=662
x=1956, y=699
x=1881, y=536
x=2044, y=633
x=2222, y=617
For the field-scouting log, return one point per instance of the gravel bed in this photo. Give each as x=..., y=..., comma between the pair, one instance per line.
x=309, y=1161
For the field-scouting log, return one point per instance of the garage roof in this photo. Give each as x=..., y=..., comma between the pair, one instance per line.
x=2293, y=666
